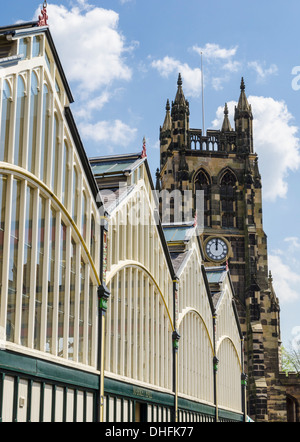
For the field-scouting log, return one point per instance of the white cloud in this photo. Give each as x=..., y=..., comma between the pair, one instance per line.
x=293, y=244
x=285, y=281
x=215, y=60
x=263, y=72
x=115, y=133
x=92, y=50
x=88, y=41
x=275, y=141
x=213, y=50
x=190, y=76
x=217, y=83
x=92, y=105
x=232, y=66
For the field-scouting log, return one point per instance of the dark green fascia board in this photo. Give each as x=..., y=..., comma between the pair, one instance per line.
x=186, y=404
x=230, y=415
x=23, y=365
x=136, y=392
x=208, y=410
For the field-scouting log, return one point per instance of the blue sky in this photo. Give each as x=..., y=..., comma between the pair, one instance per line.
x=123, y=58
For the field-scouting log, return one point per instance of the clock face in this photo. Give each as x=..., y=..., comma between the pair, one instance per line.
x=216, y=249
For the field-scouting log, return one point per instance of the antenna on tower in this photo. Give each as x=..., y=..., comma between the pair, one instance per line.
x=203, y=127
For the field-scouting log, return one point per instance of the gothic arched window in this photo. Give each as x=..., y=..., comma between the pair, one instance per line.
x=228, y=203
x=202, y=182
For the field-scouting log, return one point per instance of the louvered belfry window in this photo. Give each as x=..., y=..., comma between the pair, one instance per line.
x=202, y=183
x=228, y=205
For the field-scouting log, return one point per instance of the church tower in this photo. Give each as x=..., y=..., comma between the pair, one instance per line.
x=223, y=165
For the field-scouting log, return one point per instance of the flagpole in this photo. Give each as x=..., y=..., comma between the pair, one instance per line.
x=203, y=128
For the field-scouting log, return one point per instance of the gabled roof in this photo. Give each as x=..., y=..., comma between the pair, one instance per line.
x=178, y=233
x=27, y=28
x=113, y=196
x=215, y=277
x=120, y=166
x=116, y=164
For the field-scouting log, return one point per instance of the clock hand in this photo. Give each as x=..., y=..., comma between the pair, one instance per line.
x=216, y=244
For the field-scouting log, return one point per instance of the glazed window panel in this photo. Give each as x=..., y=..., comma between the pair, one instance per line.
x=138, y=334
x=93, y=238
x=81, y=311
x=13, y=259
x=3, y=181
x=33, y=117
x=90, y=321
x=84, y=216
x=39, y=272
x=45, y=133
x=65, y=175
x=19, y=130
x=57, y=88
x=5, y=121
x=27, y=264
x=55, y=159
x=195, y=359
x=36, y=46
x=62, y=289
x=51, y=269
x=72, y=301
x=23, y=47
x=48, y=61
x=75, y=200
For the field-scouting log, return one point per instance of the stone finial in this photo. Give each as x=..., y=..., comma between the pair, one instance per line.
x=270, y=276
x=243, y=87
x=168, y=105
x=43, y=17
x=226, y=126
x=243, y=104
x=195, y=219
x=144, y=153
x=179, y=81
x=157, y=184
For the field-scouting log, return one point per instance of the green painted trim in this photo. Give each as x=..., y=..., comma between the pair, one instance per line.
x=195, y=407
x=22, y=365
x=140, y=394
x=47, y=371
x=230, y=415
